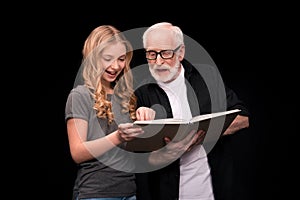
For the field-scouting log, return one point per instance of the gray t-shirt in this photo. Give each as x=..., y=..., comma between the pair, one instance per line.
x=109, y=175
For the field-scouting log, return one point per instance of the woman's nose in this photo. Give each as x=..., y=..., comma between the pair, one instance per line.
x=115, y=65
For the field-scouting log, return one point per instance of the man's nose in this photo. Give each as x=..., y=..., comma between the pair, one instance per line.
x=159, y=60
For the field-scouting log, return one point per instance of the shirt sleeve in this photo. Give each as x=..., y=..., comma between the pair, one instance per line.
x=77, y=105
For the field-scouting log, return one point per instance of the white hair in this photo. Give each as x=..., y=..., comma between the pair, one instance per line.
x=176, y=32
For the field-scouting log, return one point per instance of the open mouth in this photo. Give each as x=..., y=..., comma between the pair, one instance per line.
x=162, y=70
x=111, y=73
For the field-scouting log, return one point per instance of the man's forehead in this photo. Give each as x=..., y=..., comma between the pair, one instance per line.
x=160, y=39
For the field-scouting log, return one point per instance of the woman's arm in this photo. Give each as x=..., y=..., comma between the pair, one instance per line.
x=83, y=150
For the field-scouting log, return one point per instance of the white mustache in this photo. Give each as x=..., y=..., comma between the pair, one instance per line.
x=161, y=67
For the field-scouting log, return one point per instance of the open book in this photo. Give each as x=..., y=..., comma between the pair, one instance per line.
x=176, y=129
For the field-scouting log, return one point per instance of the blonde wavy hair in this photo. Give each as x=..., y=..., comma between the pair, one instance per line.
x=98, y=39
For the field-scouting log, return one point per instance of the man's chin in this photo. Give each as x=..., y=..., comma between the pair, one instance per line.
x=163, y=79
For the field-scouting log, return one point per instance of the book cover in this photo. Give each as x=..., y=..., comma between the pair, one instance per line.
x=176, y=129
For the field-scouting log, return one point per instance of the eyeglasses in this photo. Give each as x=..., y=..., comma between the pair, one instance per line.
x=165, y=54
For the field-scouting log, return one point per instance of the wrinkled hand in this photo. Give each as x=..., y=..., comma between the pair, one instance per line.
x=197, y=139
x=144, y=113
x=173, y=150
x=237, y=124
x=187, y=143
x=128, y=131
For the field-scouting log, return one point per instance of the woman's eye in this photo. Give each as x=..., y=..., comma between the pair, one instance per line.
x=107, y=59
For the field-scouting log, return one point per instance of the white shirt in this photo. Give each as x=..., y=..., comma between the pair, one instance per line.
x=195, y=179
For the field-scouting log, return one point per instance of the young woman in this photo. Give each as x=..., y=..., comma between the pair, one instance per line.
x=99, y=114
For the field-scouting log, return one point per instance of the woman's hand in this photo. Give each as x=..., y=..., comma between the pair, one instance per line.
x=144, y=113
x=128, y=131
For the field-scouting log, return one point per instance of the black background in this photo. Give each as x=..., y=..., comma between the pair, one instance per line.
x=247, y=45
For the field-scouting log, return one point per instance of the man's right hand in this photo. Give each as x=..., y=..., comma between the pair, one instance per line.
x=173, y=150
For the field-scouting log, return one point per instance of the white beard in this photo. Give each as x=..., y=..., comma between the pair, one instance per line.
x=173, y=72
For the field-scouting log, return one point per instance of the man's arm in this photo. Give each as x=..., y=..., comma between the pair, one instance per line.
x=238, y=123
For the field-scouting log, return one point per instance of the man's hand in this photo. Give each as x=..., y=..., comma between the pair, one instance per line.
x=238, y=123
x=188, y=143
x=173, y=150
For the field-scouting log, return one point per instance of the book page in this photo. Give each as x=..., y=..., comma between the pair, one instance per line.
x=212, y=115
x=182, y=121
x=156, y=130
x=163, y=121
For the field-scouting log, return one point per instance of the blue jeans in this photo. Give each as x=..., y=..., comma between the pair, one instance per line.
x=116, y=198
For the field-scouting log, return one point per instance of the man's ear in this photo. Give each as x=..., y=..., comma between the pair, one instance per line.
x=181, y=53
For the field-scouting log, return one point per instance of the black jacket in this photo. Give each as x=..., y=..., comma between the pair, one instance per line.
x=206, y=94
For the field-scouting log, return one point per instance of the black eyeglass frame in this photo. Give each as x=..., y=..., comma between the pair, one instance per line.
x=160, y=53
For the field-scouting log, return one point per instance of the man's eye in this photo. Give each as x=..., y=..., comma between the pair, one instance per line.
x=167, y=53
